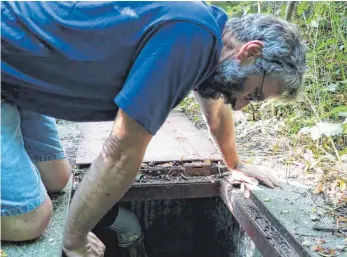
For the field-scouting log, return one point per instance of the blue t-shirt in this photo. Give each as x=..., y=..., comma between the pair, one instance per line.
x=82, y=61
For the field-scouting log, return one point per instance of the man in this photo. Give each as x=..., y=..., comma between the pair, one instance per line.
x=132, y=62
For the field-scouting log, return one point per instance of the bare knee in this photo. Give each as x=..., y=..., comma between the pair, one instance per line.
x=27, y=226
x=55, y=174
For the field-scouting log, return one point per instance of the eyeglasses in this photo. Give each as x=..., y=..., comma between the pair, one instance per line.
x=256, y=97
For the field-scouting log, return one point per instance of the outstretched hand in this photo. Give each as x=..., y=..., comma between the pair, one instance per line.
x=92, y=247
x=249, y=175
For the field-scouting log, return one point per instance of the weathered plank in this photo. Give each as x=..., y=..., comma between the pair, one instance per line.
x=177, y=140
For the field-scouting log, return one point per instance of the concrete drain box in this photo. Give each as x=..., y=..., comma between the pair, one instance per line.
x=200, y=227
x=186, y=207
x=176, y=195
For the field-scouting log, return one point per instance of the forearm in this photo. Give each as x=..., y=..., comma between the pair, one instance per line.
x=223, y=132
x=104, y=184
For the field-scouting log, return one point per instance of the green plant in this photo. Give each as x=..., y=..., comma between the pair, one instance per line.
x=316, y=123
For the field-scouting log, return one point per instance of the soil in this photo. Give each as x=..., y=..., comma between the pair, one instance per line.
x=70, y=136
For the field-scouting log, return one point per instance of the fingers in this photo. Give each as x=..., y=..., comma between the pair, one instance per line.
x=266, y=181
x=232, y=181
x=269, y=180
x=275, y=181
x=244, y=178
x=255, y=178
x=251, y=181
x=95, y=248
x=245, y=190
x=262, y=174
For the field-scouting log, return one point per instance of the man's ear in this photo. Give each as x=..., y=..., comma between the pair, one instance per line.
x=249, y=52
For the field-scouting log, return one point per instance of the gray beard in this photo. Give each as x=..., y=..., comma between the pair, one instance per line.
x=226, y=81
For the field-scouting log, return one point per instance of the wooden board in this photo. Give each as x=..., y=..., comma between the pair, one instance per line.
x=177, y=140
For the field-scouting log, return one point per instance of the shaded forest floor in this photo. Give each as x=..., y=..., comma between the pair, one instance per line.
x=262, y=142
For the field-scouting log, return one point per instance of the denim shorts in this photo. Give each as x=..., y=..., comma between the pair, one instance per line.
x=26, y=138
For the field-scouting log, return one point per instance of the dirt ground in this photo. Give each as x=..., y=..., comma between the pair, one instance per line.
x=257, y=144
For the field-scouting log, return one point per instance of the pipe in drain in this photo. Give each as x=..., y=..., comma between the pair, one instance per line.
x=128, y=228
x=129, y=233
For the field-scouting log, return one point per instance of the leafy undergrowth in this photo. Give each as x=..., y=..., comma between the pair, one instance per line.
x=306, y=139
x=295, y=156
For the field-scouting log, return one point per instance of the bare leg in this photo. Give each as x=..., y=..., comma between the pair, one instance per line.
x=26, y=226
x=54, y=174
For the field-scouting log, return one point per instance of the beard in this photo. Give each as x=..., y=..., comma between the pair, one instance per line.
x=227, y=81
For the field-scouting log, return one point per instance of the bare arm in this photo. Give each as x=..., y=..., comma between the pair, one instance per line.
x=219, y=118
x=107, y=180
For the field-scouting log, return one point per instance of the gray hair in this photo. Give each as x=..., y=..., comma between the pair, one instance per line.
x=283, y=55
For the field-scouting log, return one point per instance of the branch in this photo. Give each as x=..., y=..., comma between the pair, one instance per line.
x=289, y=10
x=329, y=229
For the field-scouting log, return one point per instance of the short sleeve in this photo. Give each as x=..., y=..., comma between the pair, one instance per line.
x=174, y=60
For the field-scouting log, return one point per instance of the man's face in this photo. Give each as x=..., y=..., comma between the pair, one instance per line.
x=256, y=88
x=245, y=87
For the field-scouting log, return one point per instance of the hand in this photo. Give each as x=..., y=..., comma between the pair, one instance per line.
x=93, y=247
x=250, y=175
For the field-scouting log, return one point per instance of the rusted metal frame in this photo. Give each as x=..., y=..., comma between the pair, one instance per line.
x=171, y=190
x=151, y=189
x=189, y=168
x=181, y=161
x=265, y=236
x=290, y=238
x=268, y=234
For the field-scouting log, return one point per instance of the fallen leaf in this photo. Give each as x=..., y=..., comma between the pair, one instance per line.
x=326, y=252
x=266, y=199
x=342, y=219
x=318, y=248
x=51, y=240
x=308, y=155
x=342, y=184
x=166, y=164
x=332, y=252
x=285, y=211
x=318, y=189
x=314, y=217
x=341, y=248
x=3, y=254
x=326, y=255
x=321, y=241
x=306, y=243
x=341, y=222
